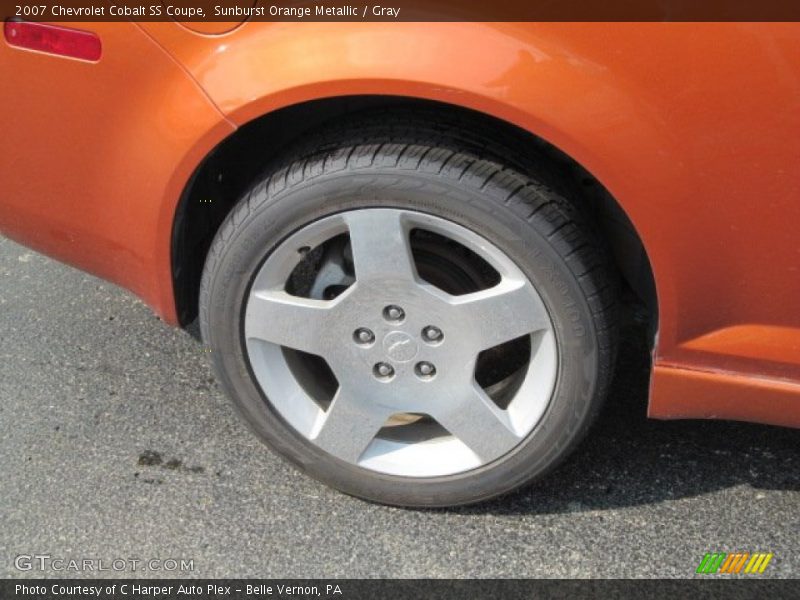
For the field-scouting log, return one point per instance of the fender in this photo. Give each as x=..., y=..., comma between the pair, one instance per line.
x=654, y=112
x=531, y=78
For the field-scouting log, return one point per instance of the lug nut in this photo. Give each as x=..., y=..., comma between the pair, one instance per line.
x=432, y=334
x=363, y=336
x=425, y=370
x=383, y=371
x=394, y=313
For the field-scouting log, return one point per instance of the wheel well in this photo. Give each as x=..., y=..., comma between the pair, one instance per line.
x=227, y=172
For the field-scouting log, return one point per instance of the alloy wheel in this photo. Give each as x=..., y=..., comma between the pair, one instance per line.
x=400, y=342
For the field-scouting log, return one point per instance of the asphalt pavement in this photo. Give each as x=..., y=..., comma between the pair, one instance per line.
x=117, y=444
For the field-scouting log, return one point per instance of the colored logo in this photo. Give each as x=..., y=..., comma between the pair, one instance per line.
x=738, y=562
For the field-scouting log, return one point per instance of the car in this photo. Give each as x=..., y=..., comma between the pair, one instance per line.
x=410, y=246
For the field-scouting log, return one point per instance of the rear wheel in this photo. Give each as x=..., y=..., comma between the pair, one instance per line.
x=413, y=324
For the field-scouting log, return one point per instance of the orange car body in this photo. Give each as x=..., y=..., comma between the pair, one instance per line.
x=692, y=128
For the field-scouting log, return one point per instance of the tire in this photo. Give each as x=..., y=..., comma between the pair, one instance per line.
x=456, y=198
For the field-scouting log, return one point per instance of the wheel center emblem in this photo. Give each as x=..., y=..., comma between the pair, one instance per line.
x=400, y=346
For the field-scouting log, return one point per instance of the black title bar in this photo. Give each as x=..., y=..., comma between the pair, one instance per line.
x=402, y=10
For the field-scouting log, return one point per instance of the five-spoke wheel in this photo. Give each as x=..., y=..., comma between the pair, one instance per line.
x=398, y=345
x=410, y=319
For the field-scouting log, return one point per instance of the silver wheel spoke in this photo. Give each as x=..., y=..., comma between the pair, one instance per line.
x=299, y=323
x=380, y=244
x=477, y=421
x=500, y=314
x=349, y=425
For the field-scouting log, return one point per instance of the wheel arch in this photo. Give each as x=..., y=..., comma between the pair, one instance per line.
x=230, y=168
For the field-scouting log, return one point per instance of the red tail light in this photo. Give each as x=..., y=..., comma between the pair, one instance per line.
x=53, y=39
